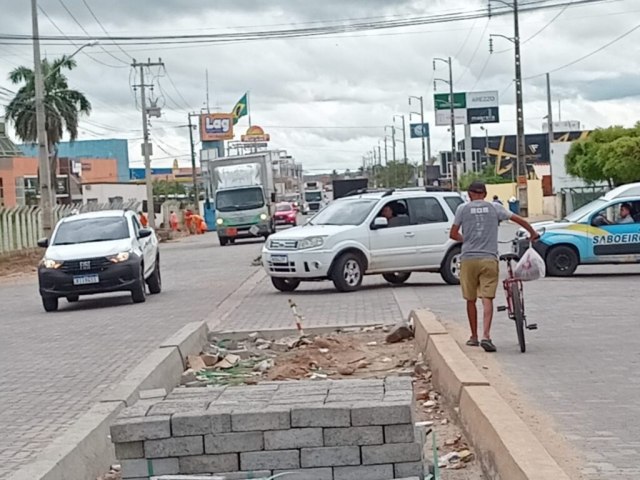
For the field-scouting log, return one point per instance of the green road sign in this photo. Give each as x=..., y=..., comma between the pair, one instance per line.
x=441, y=101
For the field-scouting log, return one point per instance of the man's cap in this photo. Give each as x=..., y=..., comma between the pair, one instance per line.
x=478, y=187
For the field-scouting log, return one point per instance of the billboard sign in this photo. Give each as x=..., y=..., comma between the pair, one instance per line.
x=419, y=130
x=469, y=108
x=216, y=126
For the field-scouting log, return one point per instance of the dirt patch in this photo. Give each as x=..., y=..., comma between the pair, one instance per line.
x=19, y=264
x=361, y=353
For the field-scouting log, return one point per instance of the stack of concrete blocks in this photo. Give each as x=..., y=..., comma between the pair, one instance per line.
x=321, y=430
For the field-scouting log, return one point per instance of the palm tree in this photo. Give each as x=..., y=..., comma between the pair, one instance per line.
x=63, y=106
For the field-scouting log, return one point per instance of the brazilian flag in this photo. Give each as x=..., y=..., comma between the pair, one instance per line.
x=241, y=109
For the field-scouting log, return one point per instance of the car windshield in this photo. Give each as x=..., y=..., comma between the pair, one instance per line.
x=241, y=199
x=313, y=196
x=592, y=207
x=88, y=230
x=283, y=207
x=351, y=212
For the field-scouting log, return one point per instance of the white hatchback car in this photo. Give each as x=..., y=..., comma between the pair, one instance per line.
x=99, y=252
x=349, y=239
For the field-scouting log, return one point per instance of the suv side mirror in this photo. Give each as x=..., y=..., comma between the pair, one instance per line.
x=144, y=233
x=379, y=222
x=43, y=242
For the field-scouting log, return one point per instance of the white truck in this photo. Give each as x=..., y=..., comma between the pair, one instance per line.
x=314, y=196
x=244, y=194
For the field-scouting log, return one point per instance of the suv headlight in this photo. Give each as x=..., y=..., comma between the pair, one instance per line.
x=311, y=242
x=219, y=221
x=120, y=257
x=263, y=216
x=50, y=263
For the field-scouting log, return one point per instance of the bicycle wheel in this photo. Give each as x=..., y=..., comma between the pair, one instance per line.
x=518, y=313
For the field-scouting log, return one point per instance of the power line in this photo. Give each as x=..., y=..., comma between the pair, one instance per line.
x=590, y=54
x=176, y=89
x=95, y=17
x=87, y=33
x=475, y=52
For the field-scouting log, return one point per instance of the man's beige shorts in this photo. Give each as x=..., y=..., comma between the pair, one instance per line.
x=479, y=278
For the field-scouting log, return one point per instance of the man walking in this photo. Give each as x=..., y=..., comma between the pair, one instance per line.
x=476, y=227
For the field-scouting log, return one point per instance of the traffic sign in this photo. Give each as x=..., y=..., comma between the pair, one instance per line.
x=441, y=101
x=419, y=130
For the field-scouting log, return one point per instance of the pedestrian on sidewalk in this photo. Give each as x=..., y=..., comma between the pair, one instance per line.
x=143, y=219
x=476, y=227
x=173, y=221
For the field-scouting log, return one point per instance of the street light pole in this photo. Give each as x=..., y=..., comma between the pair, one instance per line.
x=424, y=153
x=194, y=173
x=454, y=156
x=47, y=192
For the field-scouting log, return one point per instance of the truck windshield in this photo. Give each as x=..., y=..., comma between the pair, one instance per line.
x=241, y=199
x=313, y=196
x=352, y=212
x=89, y=230
x=582, y=212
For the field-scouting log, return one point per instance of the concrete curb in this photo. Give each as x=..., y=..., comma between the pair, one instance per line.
x=85, y=450
x=506, y=447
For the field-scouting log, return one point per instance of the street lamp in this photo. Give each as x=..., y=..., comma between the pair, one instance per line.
x=424, y=153
x=454, y=157
x=78, y=50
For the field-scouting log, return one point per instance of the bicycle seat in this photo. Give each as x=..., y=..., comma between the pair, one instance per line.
x=507, y=257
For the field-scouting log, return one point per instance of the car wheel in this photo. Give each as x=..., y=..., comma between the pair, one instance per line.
x=73, y=298
x=223, y=241
x=348, y=272
x=138, y=294
x=562, y=261
x=450, y=270
x=155, y=280
x=285, y=284
x=397, y=278
x=50, y=304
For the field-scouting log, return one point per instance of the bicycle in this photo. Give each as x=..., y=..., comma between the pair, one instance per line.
x=515, y=301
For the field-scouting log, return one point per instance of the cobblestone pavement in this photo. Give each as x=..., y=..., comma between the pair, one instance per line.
x=54, y=366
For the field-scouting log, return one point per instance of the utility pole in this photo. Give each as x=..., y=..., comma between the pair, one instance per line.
x=454, y=156
x=550, y=124
x=47, y=190
x=424, y=147
x=194, y=173
x=146, y=146
x=521, y=153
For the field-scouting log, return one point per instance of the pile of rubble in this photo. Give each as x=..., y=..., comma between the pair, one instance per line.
x=346, y=352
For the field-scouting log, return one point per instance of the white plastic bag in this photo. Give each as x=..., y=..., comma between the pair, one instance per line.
x=530, y=267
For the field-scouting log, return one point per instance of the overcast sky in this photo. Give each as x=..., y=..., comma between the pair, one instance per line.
x=326, y=100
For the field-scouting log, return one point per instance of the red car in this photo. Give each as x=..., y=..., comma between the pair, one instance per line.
x=286, y=214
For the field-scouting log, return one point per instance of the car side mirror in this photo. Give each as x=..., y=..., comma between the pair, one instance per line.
x=144, y=233
x=379, y=222
x=43, y=242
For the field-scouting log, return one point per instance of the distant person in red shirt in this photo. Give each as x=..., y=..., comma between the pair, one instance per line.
x=143, y=219
x=173, y=221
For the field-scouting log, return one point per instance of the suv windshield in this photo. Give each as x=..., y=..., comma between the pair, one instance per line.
x=90, y=230
x=351, y=212
x=242, y=199
x=592, y=207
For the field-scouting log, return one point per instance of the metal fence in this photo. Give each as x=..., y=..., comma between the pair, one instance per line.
x=574, y=198
x=21, y=227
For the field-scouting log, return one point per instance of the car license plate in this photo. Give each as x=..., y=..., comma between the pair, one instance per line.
x=254, y=230
x=279, y=259
x=86, y=279
x=232, y=232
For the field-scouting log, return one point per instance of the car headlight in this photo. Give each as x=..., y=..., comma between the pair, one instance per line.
x=219, y=221
x=263, y=216
x=311, y=242
x=50, y=263
x=121, y=257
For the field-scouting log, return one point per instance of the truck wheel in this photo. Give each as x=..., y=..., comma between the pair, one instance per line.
x=348, y=272
x=155, y=280
x=397, y=278
x=562, y=261
x=450, y=269
x=223, y=241
x=50, y=304
x=138, y=293
x=285, y=284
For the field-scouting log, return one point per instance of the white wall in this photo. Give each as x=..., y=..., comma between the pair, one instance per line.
x=103, y=192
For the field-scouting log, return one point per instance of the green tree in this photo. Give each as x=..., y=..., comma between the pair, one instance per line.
x=487, y=175
x=396, y=174
x=63, y=106
x=608, y=155
x=165, y=188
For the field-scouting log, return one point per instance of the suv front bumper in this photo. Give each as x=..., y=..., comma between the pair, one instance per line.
x=116, y=277
x=309, y=264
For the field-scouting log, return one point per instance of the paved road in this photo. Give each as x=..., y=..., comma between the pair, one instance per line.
x=580, y=367
x=54, y=366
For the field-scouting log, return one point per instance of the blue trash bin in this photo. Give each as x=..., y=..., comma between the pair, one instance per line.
x=514, y=206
